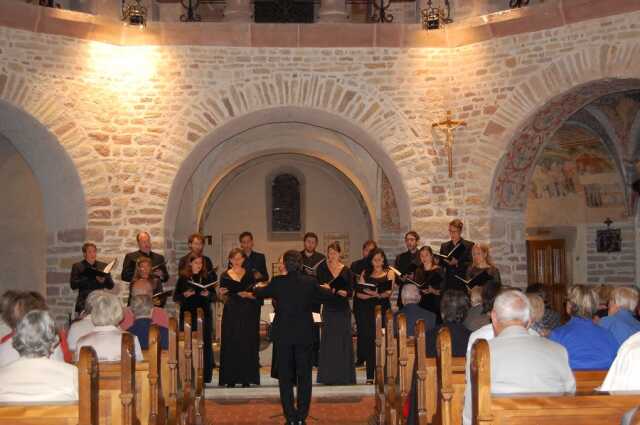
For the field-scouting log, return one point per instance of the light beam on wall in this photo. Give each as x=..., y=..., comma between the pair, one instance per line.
x=133, y=66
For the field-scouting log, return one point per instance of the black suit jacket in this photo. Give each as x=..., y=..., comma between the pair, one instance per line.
x=257, y=262
x=83, y=279
x=463, y=255
x=129, y=265
x=295, y=295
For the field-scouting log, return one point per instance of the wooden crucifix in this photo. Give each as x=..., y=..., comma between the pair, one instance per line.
x=448, y=126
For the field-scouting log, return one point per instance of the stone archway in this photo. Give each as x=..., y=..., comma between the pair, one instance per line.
x=363, y=146
x=63, y=200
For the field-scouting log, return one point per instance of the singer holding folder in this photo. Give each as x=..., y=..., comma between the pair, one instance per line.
x=196, y=289
x=455, y=256
x=87, y=275
x=336, y=363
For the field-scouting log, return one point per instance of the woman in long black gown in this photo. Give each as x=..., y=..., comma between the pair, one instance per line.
x=240, y=326
x=431, y=276
x=191, y=297
x=377, y=273
x=336, y=365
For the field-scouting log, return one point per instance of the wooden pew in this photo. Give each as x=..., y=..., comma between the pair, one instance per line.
x=533, y=409
x=391, y=373
x=450, y=382
x=158, y=408
x=406, y=360
x=198, y=372
x=589, y=380
x=82, y=412
x=175, y=396
x=380, y=367
x=425, y=378
x=128, y=381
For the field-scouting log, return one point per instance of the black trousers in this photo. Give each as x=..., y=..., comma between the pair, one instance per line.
x=294, y=365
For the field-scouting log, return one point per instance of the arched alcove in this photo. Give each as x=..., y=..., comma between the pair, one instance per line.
x=54, y=221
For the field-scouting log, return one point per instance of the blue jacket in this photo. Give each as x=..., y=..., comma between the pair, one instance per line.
x=622, y=325
x=589, y=346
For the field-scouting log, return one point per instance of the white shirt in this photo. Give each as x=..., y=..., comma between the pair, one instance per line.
x=79, y=329
x=8, y=354
x=486, y=332
x=39, y=380
x=624, y=373
x=107, y=342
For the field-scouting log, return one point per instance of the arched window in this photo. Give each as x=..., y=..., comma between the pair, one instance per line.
x=285, y=204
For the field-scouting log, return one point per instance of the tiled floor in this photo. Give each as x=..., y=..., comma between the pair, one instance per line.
x=324, y=411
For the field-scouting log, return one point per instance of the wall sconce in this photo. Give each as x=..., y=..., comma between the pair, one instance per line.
x=191, y=11
x=134, y=13
x=514, y=4
x=434, y=17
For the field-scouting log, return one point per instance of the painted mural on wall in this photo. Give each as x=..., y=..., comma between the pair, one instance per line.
x=575, y=181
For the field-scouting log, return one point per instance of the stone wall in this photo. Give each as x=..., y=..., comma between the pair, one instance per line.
x=128, y=117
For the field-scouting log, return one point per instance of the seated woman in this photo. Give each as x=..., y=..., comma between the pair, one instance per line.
x=589, y=346
x=537, y=313
x=142, y=306
x=106, y=338
x=159, y=315
x=23, y=303
x=35, y=376
x=476, y=317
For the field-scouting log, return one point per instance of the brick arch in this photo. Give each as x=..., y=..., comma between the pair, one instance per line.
x=36, y=126
x=554, y=94
x=280, y=115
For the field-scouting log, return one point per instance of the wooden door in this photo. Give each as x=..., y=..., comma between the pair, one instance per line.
x=546, y=264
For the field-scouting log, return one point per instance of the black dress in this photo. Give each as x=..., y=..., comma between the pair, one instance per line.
x=336, y=364
x=367, y=332
x=357, y=267
x=240, y=326
x=433, y=279
x=192, y=304
x=492, y=275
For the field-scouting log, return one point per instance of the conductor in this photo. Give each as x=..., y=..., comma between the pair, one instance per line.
x=295, y=294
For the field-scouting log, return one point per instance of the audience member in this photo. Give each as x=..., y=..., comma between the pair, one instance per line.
x=521, y=362
x=35, y=377
x=604, y=294
x=106, y=338
x=23, y=303
x=620, y=321
x=6, y=301
x=81, y=327
x=551, y=318
x=159, y=315
x=142, y=306
x=476, y=317
x=537, y=314
x=454, y=306
x=589, y=345
x=410, y=299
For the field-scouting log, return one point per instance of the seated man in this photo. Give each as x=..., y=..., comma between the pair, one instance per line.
x=141, y=305
x=410, y=298
x=159, y=315
x=520, y=362
x=620, y=321
x=35, y=376
x=106, y=338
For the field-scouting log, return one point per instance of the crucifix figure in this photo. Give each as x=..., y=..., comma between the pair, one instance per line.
x=448, y=126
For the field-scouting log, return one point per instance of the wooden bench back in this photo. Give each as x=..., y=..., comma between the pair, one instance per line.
x=589, y=380
x=175, y=396
x=83, y=412
x=406, y=360
x=391, y=372
x=198, y=372
x=124, y=388
x=519, y=409
x=158, y=408
x=450, y=381
x=380, y=367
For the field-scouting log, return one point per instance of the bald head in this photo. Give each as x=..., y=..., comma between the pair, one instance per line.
x=511, y=308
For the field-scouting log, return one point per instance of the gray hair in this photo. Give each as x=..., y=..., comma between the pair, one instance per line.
x=410, y=294
x=624, y=297
x=582, y=300
x=512, y=306
x=106, y=309
x=141, y=305
x=88, y=304
x=36, y=335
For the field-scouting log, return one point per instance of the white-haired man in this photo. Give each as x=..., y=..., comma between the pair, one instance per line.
x=521, y=362
x=620, y=321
